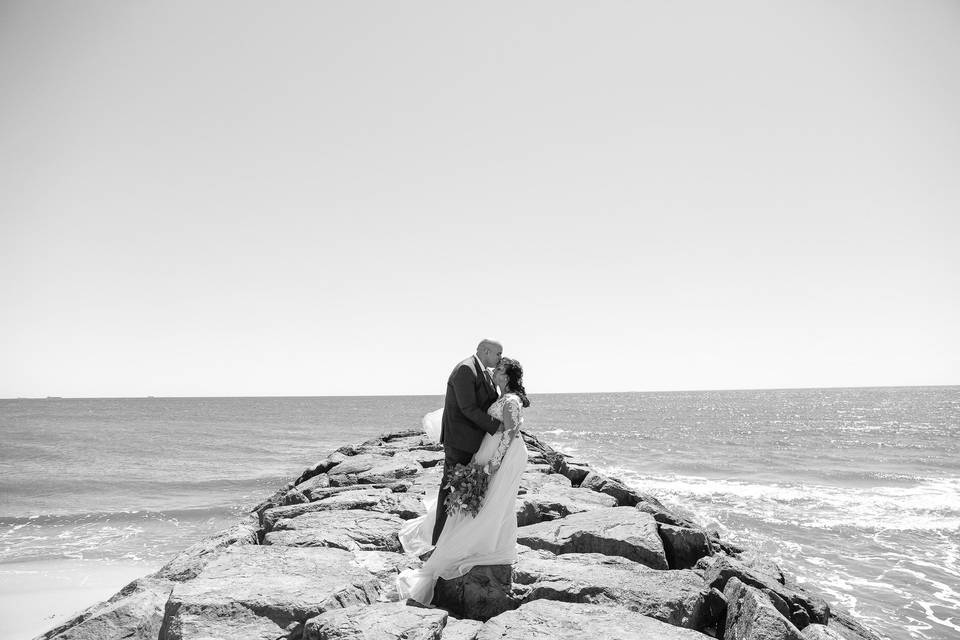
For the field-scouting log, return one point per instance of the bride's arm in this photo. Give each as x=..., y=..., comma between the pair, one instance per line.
x=511, y=428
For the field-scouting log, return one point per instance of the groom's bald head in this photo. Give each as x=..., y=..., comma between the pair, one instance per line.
x=489, y=352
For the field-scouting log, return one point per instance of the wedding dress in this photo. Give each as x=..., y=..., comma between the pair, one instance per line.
x=467, y=541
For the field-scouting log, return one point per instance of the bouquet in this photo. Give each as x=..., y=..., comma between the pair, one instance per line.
x=467, y=485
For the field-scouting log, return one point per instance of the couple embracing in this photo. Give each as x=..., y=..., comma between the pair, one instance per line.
x=480, y=424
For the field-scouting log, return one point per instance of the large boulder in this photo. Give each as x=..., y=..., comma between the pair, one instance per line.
x=384, y=621
x=427, y=482
x=684, y=546
x=843, y=624
x=483, y=592
x=458, y=629
x=386, y=565
x=426, y=457
x=575, y=621
x=804, y=607
x=355, y=497
x=391, y=443
x=614, y=531
x=352, y=530
x=535, y=446
x=534, y=480
x=820, y=632
x=369, y=498
x=752, y=616
x=624, y=495
x=319, y=487
x=574, y=469
x=761, y=563
x=321, y=467
x=247, y=589
x=368, y=468
x=384, y=444
x=378, y=499
x=329, y=498
x=627, y=496
x=674, y=516
x=230, y=621
x=553, y=501
x=676, y=597
x=274, y=500
x=405, y=506
x=189, y=562
x=272, y=516
x=539, y=468
x=135, y=613
x=315, y=487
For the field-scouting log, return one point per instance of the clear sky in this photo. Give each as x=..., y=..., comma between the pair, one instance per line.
x=319, y=198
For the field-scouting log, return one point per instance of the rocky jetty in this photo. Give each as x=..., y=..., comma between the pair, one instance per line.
x=318, y=560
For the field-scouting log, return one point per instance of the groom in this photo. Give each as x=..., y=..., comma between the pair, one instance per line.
x=470, y=392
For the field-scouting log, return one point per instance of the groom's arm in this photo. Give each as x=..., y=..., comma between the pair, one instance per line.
x=465, y=389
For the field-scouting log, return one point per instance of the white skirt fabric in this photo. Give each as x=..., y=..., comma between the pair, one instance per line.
x=431, y=424
x=467, y=541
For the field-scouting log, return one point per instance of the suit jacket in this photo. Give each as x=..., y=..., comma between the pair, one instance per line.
x=465, y=419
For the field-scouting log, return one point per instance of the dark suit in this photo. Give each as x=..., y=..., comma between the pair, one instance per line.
x=465, y=421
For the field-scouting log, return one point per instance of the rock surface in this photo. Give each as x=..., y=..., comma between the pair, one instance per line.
x=245, y=587
x=385, y=566
x=614, y=531
x=811, y=608
x=367, y=468
x=135, y=612
x=188, y=563
x=352, y=530
x=229, y=620
x=480, y=594
x=574, y=470
x=385, y=621
x=319, y=559
x=457, y=629
x=684, y=546
x=843, y=624
x=373, y=498
x=574, y=621
x=676, y=597
x=534, y=480
x=751, y=615
x=820, y=632
x=552, y=501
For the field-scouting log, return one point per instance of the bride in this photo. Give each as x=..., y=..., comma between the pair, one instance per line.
x=491, y=536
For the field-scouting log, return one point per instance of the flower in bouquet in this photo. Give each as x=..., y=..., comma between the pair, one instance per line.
x=467, y=485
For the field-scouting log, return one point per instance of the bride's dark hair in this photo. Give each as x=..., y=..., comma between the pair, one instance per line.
x=515, y=379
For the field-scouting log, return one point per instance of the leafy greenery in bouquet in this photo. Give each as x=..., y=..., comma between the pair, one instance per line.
x=468, y=485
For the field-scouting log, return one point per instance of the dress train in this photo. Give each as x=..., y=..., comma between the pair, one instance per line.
x=467, y=541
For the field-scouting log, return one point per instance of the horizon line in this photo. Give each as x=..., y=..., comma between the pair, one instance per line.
x=429, y=395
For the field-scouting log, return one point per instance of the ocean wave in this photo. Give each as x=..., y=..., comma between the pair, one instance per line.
x=84, y=517
x=72, y=543
x=931, y=504
x=132, y=483
x=130, y=535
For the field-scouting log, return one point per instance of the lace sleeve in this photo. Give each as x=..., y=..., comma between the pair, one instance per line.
x=511, y=428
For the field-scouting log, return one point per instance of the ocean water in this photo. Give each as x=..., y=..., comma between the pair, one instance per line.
x=854, y=491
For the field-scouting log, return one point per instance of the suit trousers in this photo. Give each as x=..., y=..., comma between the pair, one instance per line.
x=451, y=458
